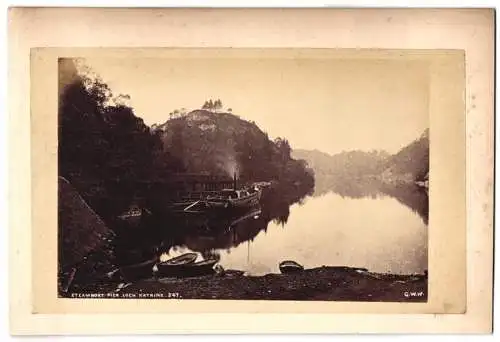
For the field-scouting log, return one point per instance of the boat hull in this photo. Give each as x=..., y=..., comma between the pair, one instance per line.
x=216, y=203
x=288, y=266
x=205, y=267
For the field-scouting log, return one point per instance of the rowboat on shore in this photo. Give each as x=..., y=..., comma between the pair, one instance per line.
x=175, y=264
x=185, y=265
x=203, y=267
x=186, y=258
x=290, y=266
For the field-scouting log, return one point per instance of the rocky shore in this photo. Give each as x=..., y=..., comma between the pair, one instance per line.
x=322, y=283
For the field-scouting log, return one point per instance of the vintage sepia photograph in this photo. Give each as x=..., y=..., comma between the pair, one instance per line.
x=242, y=171
x=259, y=177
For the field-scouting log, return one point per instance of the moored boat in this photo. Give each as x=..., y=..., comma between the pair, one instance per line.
x=219, y=201
x=229, y=198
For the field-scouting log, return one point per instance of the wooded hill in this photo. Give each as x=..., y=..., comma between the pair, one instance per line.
x=224, y=144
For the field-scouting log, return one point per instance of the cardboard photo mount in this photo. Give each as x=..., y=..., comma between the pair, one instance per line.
x=458, y=46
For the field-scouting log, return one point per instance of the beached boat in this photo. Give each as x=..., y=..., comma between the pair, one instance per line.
x=203, y=267
x=175, y=264
x=289, y=266
x=184, y=266
x=183, y=259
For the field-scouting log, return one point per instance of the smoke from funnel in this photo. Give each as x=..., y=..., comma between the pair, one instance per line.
x=227, y=162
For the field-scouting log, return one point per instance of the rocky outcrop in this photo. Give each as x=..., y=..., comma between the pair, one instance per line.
x=81, y=230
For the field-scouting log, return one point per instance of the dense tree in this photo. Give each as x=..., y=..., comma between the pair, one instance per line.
x=105, y=151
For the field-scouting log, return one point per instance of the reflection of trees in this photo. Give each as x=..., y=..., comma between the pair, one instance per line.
x=353, y=188
x=409, y=195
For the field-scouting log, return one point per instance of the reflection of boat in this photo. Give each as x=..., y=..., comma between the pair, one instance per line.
x=228, y=233
x=251, y=214
x=290, y=266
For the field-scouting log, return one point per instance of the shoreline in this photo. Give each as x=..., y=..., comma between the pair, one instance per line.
x=325, y=283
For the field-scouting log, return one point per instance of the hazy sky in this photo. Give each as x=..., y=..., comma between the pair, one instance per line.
x=325, y=104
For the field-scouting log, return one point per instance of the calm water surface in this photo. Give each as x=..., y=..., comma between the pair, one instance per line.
x=377, y=232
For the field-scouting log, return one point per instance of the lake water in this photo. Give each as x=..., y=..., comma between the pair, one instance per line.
x=377, y=232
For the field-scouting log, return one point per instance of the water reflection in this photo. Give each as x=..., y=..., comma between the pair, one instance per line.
x=377, y=227
x=410, y=195
x=379, y=234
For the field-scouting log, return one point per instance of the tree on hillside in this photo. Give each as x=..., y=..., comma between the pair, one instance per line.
x=178, y=113
x=175, y=113
x=217, y=105
x=122, y=100
x=284, y=148
x=213, y=106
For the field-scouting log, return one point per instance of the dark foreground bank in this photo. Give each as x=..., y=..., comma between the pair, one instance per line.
x=323, y=283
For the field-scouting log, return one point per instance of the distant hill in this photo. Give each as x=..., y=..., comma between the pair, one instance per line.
x=351, y=164
x=410, y=164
